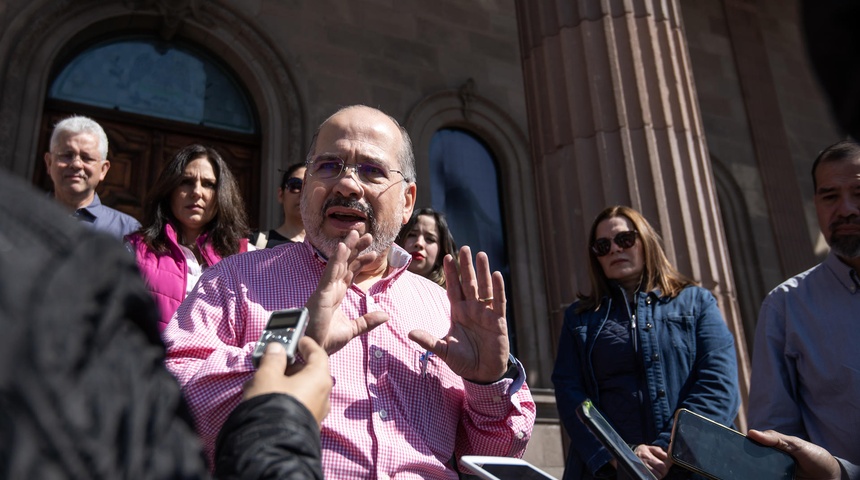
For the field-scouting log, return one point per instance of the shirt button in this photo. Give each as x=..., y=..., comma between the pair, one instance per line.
x=648, y=301
x=648, y=325
x=520, y=435
x=497, y=398
x=377, y=353
x=655, y=357
x=661, y=393
x=383, y=414
x=384, y=477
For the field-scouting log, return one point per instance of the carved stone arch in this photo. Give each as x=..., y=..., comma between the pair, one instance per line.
x=465, y=110
x=45, y=32
x=746, y=267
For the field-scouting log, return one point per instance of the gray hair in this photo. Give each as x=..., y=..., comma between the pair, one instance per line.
x=406, y=156
x=77, y=124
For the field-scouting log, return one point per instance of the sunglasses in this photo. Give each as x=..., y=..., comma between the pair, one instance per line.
x=625, y=240
x=294, y=185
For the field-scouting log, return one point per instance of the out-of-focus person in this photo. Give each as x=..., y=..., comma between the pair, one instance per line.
x=83, y=389
x=427, y=238
x=194, y=216
x=289, y=193
x=644, y=342
x=77, y=163
x=805, y=367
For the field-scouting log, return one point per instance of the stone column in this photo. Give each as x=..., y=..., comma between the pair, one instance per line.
x=613, y=119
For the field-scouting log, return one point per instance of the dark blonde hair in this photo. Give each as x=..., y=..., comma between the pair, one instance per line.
x=658, y=273
x=445, y=240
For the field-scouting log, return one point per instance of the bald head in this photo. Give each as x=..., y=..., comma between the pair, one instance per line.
x=371, y=120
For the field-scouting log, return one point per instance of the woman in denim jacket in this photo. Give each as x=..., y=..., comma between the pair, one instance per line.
x=644, y=343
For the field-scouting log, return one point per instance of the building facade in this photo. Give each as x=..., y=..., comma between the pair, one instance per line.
x=703, y=114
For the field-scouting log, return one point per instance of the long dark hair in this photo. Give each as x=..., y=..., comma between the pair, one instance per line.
x=445, y=240
x=658, y=272
x=230, y=222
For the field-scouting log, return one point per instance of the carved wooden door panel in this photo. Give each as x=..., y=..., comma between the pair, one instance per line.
x=139, y=147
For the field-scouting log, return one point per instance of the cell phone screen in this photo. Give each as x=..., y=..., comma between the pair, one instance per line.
x=711, y=449
x=511, y=472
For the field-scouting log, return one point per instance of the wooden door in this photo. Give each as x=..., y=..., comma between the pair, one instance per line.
x=139, y=147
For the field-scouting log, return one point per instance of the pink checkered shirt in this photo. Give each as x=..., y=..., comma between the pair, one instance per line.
x=391, y=415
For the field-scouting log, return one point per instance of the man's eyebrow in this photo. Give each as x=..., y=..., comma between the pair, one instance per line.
x=824, y=190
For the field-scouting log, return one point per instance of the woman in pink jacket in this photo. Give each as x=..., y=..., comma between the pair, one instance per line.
x=194, y=216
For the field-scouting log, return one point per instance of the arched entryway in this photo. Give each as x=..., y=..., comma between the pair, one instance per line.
x=47, y=35
x=153, y=97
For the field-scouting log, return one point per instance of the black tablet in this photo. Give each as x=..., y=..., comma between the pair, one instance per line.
x=628, y=462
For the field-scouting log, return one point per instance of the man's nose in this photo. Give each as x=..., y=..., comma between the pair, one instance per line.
x=849, y=205
x=348, y=183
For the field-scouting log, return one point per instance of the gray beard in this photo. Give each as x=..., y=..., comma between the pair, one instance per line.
x=846, y=246
x=383, y=233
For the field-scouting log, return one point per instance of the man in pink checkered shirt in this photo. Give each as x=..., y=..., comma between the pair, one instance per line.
x=420, y=377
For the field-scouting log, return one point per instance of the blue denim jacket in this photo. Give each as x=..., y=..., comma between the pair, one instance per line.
x=689, y=359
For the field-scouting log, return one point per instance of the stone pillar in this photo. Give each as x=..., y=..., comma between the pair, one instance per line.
x=613, y=119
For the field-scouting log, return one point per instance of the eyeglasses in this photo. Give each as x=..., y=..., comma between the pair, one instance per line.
x=625, y=240
x=69, y=157
x=327, y=168
x=293, y=185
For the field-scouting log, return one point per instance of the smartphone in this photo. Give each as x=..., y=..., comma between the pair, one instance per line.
x=715, y=451
x=503, y=468
x=286, y=327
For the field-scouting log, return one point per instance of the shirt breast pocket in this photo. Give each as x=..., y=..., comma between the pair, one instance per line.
x=430, y=403
x=680, y=331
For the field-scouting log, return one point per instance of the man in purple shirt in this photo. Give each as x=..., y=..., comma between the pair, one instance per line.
x=77, y=163
x=421, y=376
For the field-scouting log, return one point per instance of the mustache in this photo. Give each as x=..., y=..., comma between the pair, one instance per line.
x=352, y=204
x=850, y=220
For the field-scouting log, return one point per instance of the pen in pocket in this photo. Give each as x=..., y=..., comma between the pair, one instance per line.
x=424, y=358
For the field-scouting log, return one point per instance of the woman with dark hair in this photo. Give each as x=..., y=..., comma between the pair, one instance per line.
x=194, y=216
x=427, y=238
x=645, y=342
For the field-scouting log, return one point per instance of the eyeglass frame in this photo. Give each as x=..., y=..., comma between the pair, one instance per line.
x=614, y=240
x=354, y=166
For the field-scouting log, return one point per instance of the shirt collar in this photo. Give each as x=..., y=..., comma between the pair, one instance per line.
x=398, y=258
x=846, y=275
x=91, y=209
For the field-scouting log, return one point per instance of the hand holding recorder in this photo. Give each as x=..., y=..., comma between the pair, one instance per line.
x=309, y=382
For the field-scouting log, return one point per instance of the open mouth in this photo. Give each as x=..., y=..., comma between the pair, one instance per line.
x=417, y=256
x=345, y=216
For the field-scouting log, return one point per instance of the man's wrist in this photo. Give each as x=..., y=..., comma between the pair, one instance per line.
x=511, y=372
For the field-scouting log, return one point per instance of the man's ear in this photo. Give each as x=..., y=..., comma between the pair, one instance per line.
x=48, y=161
x=105, y=167
x=409, y=197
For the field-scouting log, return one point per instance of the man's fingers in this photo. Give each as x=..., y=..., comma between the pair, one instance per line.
x=468, y=281
x=765, y=438
x=368, y=322
x=274, y=359
x=485, y=280
x=499, y=299
x=428, y=342
x=452, y=279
